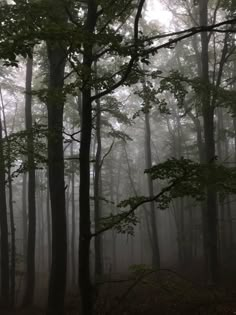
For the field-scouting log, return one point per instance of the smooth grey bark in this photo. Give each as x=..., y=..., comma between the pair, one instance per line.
x=5, y=285
x=97, y=193
x=85, y=285
x=223, y=226
x=11, y=210
x=73, y=224
x=13, y=240
x=24, y=215
x=49, y=232
x=41, y=219
x=180, y=203
x=113, y=232
x=30, y=263
x=210, y=230
x=148, y=160
x=134, y=190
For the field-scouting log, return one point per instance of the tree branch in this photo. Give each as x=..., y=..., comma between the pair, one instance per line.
x=132, y=210
x=186, y=34
x=133, y=58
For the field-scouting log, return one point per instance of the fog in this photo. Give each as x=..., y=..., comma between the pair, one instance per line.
x=117, y=157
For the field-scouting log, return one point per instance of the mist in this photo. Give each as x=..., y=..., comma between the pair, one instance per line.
x=117, y=157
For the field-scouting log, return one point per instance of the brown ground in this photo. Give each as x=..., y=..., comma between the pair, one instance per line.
x=165, y=293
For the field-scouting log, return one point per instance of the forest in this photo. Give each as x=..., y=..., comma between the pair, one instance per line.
x=117, y=157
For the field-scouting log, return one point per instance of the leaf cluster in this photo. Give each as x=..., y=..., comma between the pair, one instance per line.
x=122, y=223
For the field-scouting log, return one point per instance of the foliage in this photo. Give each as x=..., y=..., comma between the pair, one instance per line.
x=180, y=86
x=192, y=178
x=174, y=83
x=182, y=177
x=140, y=269
x=150, y=97
x=122, y=223
x=15, y=149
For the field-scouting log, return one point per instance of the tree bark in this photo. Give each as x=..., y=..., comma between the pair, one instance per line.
x=55, y=105
x=73, y=217
x=97, y=193
x=24, y=217
x=148, y=157
x=210, y=232
x=3, y=227
x=10, y=201
x=30, y=268
x=86, y=291
x=13, y=238
x=49, y=232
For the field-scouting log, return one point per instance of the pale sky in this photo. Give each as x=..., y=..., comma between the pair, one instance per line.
x=156, y=12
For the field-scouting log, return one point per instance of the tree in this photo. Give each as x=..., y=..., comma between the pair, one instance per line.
x=97, y=193
x=30, y=269
x=71, y=40
x=85, y=285
x=210, y=230
x=11, y=209
x=55, y=104
x=4, y=226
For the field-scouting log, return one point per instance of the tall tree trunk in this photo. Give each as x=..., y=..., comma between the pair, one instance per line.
x=223, y=226
x=3, y=228
x=73, y=260
x=30, y=269
x=24, y=217
x=113, y=232
x=210, y=232
x=48, y=225
x=41, y=218
x=97, y=193
x=148, y=157
x=55, y=105
x=11, y=210
x=13, y=239
x=85, y=285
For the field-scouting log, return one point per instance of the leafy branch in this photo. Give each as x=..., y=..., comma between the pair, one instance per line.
x=185, y=178
x=134, y=203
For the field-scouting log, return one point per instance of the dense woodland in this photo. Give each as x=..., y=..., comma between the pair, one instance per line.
x=117, y=157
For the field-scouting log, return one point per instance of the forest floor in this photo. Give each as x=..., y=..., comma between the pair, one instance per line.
x=148, y=293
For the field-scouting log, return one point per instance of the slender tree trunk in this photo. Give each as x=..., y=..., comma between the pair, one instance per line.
x=191, y=234
x=11, y=210
x=97, y=194
x=39, y=225
x=148, y=156
x=86, y=291
x=73, y=260
x=68, y=196
x=49, y=232
x=223, y=226
x=3, y=228
x=113, y=232
x=13, y=240
x=180, y=202
x=41, y=218
x=210, y=233
x=30, y=270
x=24, y=217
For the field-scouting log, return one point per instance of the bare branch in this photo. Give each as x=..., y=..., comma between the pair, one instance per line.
x=106, y=154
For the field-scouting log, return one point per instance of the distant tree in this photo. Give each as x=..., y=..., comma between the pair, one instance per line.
x=4, y=226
